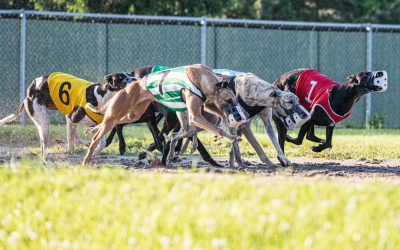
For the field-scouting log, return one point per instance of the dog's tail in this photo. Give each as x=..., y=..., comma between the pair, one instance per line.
x=14, y=116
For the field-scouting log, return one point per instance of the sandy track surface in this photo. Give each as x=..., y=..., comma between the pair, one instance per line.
x=305, y=167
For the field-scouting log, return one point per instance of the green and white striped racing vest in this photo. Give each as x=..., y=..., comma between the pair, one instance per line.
x=166, y=86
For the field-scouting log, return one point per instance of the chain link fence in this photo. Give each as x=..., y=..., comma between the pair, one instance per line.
x=93, y=45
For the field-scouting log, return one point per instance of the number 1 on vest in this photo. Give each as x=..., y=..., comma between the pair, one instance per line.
x=313, y=83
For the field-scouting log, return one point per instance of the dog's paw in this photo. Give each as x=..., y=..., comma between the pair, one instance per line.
x=122, y=150
x=320, y=147
x=142, y=155
x=284, y=161
x=89, y=131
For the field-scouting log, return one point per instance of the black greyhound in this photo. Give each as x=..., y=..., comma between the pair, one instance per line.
x=328, y=102
x=171, y=122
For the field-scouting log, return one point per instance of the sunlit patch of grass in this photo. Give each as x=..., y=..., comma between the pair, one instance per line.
x=112, y=208
x=347, y=143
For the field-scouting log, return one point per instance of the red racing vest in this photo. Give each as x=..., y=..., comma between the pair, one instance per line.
x=313, y=89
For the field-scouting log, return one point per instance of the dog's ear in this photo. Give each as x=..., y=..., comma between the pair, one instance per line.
x=275, y=93
x=352, y=79
x=223, y=84
x=108, y=79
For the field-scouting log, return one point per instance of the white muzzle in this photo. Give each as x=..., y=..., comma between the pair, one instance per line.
x=380, y=80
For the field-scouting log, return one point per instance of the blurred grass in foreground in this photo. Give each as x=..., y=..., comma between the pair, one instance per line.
x=112, y=208
x=347, y=143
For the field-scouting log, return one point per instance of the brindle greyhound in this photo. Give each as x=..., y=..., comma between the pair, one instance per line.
x=68, y=94
x=258, y=97
x=129, y=104
x=329, y=102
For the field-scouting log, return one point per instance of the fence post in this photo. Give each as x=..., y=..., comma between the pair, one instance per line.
x=203, y=23
x=22, y=63
x=368, y=100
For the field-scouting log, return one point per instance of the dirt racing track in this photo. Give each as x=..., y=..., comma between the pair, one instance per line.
x=304, y=167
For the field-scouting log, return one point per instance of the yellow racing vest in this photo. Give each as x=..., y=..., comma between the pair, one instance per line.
x=69, y=92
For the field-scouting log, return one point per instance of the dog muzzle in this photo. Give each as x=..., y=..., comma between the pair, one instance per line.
x=380, y=80
x=295, y=117
x=235, y=115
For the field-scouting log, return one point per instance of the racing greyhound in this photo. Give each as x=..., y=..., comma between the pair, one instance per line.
x=257, y=97
x=329, y=102
x=197, y=84
x=171, y=122
x=69, y=95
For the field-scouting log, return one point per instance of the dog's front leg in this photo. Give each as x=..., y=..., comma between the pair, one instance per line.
x=235, y=151
x=196, y=118
x=300, y=137
x=266, y=117
x=205, y=155
x=328, y=143
x=245, y=128
x=282, y=132
x=312, y=137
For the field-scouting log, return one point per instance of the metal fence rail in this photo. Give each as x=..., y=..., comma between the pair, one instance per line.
x=93, y=45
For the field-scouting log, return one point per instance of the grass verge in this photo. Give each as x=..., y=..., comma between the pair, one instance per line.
x=112, y=208
x=347, y=143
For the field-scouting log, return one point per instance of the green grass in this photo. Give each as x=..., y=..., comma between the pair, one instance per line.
x=112, y=208
x=74, y=207
x=347, y=143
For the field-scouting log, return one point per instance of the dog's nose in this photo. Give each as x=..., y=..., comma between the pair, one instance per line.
x=378, y=74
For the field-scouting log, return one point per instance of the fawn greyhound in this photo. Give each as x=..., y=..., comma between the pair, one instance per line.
x=197, y=85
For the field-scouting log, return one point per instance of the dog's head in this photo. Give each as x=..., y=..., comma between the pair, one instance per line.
x=226, y=101
x=375, y=81
x=118, y=81
x=289, y=110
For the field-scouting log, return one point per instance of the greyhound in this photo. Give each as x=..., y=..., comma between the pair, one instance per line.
x=197, y=84
x=261, y=99
x=257, y=97
x=329, y=102
x=67, y=94
x=171, y=122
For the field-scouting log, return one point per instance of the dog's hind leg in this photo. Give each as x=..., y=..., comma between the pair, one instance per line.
x=312, y=137
x=205, y=155
x=41, y=120
x=121, y=139
x=110, y=136
x=71, y=135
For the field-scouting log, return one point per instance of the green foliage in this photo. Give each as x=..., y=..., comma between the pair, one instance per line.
x=112, y=208
x=296, y=10
x=377, y=121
